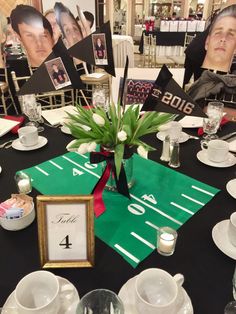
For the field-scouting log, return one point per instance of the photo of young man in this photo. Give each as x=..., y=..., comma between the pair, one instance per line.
x=51, y=17
x=220, y=43
x=58, y=73
x=99, y=49
x=215, y=82
x=70, y=29
x=34, y=32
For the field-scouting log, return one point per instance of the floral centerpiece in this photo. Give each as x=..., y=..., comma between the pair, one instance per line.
x=117, y=130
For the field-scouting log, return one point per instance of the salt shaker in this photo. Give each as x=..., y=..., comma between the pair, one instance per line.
x=165, y=155
x=174, y=154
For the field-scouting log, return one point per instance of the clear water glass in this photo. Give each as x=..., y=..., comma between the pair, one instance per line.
x=230, y=308
x=33, y=111
x=234, y=284
x=212, y=123
x=100, y=301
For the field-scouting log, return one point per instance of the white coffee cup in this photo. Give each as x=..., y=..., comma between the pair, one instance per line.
x=232, y=229
x=28, y=135
x=40, y=292
x=217, y=150
x=157, y=292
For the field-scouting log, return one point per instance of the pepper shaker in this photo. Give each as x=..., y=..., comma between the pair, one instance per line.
x=174, y=154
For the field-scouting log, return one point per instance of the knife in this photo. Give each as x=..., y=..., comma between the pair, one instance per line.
x=227, y=136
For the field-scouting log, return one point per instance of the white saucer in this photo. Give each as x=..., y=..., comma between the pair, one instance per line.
x=231, y=187
x=183, y=137
x=68, y=306
x=220, y=237
x=128, y=298
x=202, y=156
x=65, y=129
x=17, y=144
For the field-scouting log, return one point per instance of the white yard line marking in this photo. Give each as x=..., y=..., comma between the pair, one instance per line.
x=157, y=210
x=201, y=190
x=81, y=155
x=129, y=255
x=151, y=225
x=192, y=199
x=78, y=165
x=142, y=240
x=56, y=165
x=41, y=170
x=183, y=208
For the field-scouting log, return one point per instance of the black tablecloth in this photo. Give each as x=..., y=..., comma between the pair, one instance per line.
x=207, y=271
x=165, y=38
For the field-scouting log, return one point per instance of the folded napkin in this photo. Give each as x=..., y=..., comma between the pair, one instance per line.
x=223, y=122
x=19, y=119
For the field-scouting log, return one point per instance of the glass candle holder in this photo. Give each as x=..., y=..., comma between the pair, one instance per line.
x=166, y=241
x=23, y=183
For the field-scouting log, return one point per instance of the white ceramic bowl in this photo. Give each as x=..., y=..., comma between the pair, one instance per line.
x=18, y=223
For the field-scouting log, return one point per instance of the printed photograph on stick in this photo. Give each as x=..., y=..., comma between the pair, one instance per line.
x=58, y=73
x=100, y=49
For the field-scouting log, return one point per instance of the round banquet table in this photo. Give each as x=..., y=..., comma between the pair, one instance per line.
x=207, y=271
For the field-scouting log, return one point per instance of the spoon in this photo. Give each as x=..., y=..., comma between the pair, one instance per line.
x=6, y=144
x=192, y=137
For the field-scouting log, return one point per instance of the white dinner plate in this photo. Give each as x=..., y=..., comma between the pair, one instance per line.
x=229, y=162
x=191, y=122
x=221, y=239
x=65, y=129
x=67, y=307
x=18, y=146
x=0, y=169
x=231, y=187
x=183, y=137
x=127, y=296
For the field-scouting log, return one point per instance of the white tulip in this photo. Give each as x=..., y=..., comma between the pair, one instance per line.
x=71, y=149
x=98, y=119
x=142, y=152
x=92, y=147
x=83, y=148
x=122, y=136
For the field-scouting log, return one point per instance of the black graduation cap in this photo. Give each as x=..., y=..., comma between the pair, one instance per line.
x=40, y=81
x=84, y=49
x=167, y=96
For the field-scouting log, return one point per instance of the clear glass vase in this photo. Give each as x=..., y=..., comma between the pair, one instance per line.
x=128, y=167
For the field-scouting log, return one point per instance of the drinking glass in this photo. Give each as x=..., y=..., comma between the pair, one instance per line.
x=230, y=308
x=33, y=111
x=100, y=301
x=212, y=123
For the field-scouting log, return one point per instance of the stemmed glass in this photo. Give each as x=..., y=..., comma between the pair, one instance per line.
x=33, y=111
x=212, y=122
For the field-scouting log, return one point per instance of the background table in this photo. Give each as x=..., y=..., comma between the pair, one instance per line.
x=207, y=271
x=169, y=43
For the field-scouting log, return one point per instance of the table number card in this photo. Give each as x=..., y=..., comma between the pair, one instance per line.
x=182, y=26
x=66, y=233
x=174, y=26
x=165, y=26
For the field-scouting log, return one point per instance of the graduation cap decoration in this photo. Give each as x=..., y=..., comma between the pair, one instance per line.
x=84, y=49
x=167, y=96
x=41, y=81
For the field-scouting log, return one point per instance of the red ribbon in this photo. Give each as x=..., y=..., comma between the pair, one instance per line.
x=121, y=183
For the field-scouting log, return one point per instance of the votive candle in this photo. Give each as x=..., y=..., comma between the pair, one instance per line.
x=166, y=241
x=23, y=182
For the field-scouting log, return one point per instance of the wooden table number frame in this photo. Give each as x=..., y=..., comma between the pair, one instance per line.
x=65, y=231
